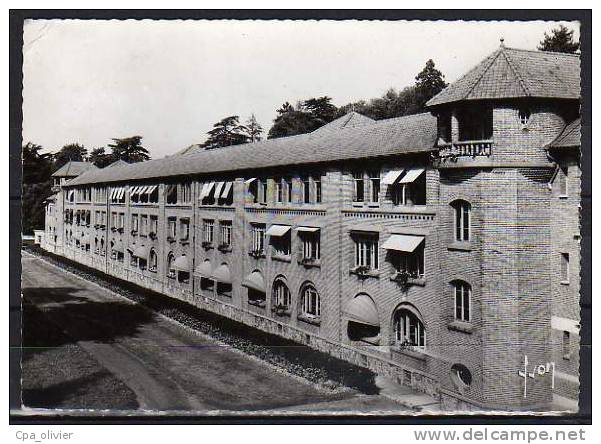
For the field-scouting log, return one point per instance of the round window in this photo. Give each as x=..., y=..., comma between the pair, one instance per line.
x=461, y=375
x=524, y=115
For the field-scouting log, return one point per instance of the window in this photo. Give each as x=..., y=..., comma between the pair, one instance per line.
x=461, y=375
x=306, y=184
x=281, y=295
x=186, y=192
x=411, y=264
x=475, y=123
x=121, y=221
x=408, y=329
x=171, y=194
x=262, y=190
x=289, y=189
x=318, y=196
x=462, y=220
x=524, y=115
x=258, y=239
x=310, y=302
x=562, y=178
x=143, y=225
x=311, y=243
x=171, y=228
x=366, y=251
x=152, y=261
x=565, y=267
x=375, y=186
x=170, y=269
x=184, y=229
x=279, y=190
x=134, y=224
x=444, y=127
x=359, y=187
x=154, y=225
x=153, y=194
x=206, y=284
x=225, y=233
x=253, y=189
x=566, y=345
x=400, y=193
x=207, y=231
x=463, y=296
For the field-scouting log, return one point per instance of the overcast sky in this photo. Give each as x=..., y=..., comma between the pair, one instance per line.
x=170, y=81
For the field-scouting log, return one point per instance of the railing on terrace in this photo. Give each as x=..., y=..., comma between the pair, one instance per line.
x=470, y=148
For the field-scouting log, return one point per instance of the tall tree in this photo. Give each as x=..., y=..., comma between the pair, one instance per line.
x=253, y=129
x=429, y=82
x=307, y=116
x=37, y=186
x=71, y=151
x=227, y=132
x=560, y=40
x=37, y=167
x=129, y=149
x=100, y=158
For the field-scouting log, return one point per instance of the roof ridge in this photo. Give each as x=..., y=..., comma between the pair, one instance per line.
x=537, y=51
x=517, y=73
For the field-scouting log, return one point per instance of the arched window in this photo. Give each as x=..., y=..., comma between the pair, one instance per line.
x=170, y=269
x=152, y=261
x=409, y=329
x=310, y=302
x=281, y=295
x=463, y=211
x=463, y=300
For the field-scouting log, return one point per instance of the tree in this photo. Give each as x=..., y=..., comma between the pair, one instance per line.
x=100, y=158
x=36, y=167
x=227, y=132
x=560, y=40
x=253, y=129
x=129, y=149
x=71, y=151
x=307, y=116
x=428, y=83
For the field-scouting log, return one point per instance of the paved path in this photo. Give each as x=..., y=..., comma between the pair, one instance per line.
x=168, y=366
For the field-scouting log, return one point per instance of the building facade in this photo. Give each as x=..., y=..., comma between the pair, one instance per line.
x=440, y=249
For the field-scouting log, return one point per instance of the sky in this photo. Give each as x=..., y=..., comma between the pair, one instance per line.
x=88, y=81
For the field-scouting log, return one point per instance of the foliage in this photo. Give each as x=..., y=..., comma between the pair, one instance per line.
x=71, y=151
x=100, y=158
x=227, y=132
x=428, y=83
x=253, y=129
x=560, y=40
x=129, y=149
x=36, y=167
x=307, y=116
x=33, y=207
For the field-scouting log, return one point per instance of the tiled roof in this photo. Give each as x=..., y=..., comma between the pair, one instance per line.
x=119, y=162
x=569, y=136
x=408, y=134
x=513, y=73
x=349, y=120
x=73, y=168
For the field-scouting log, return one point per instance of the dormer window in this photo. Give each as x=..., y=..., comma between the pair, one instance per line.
x=524, y=116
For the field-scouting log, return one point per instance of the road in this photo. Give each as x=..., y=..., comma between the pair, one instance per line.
x=166, y=365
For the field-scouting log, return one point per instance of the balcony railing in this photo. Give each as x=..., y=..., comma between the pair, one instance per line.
x=470, y=148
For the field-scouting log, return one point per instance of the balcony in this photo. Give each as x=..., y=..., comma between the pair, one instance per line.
x=469, y=148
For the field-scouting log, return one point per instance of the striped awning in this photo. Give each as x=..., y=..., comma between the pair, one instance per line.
x=227, y=189
x=362, y=309
x=412, y=175
x=181, y=263
x=222, y=274
x=204, y=270
x=218, y=188
x=150, y=189
x=402, y=242
x=254, y=281
x=249, y=181
x=392, y=176
x=206, y=190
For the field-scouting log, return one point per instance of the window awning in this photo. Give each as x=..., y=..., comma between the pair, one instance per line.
x=249, y=181
x=134, y=191
x=392, y=176
x=121, y=193
x=113, y=192
x=362, y=309
x=204, y=270
x=307, y=229
x=278, y=230
x=206, y=190
x=118, y=247
x=254, y=281
x=218, y=187
x=151, y=189
x=181, y=264
x=412, y=174
x=143, y=190
x=141, y=252
x=222, y=274
x=227, y=189
x=403, y=242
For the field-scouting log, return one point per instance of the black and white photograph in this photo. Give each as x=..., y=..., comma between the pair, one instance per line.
x=245, y=218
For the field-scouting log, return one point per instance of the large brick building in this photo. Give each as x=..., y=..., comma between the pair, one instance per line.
x=440, y=249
